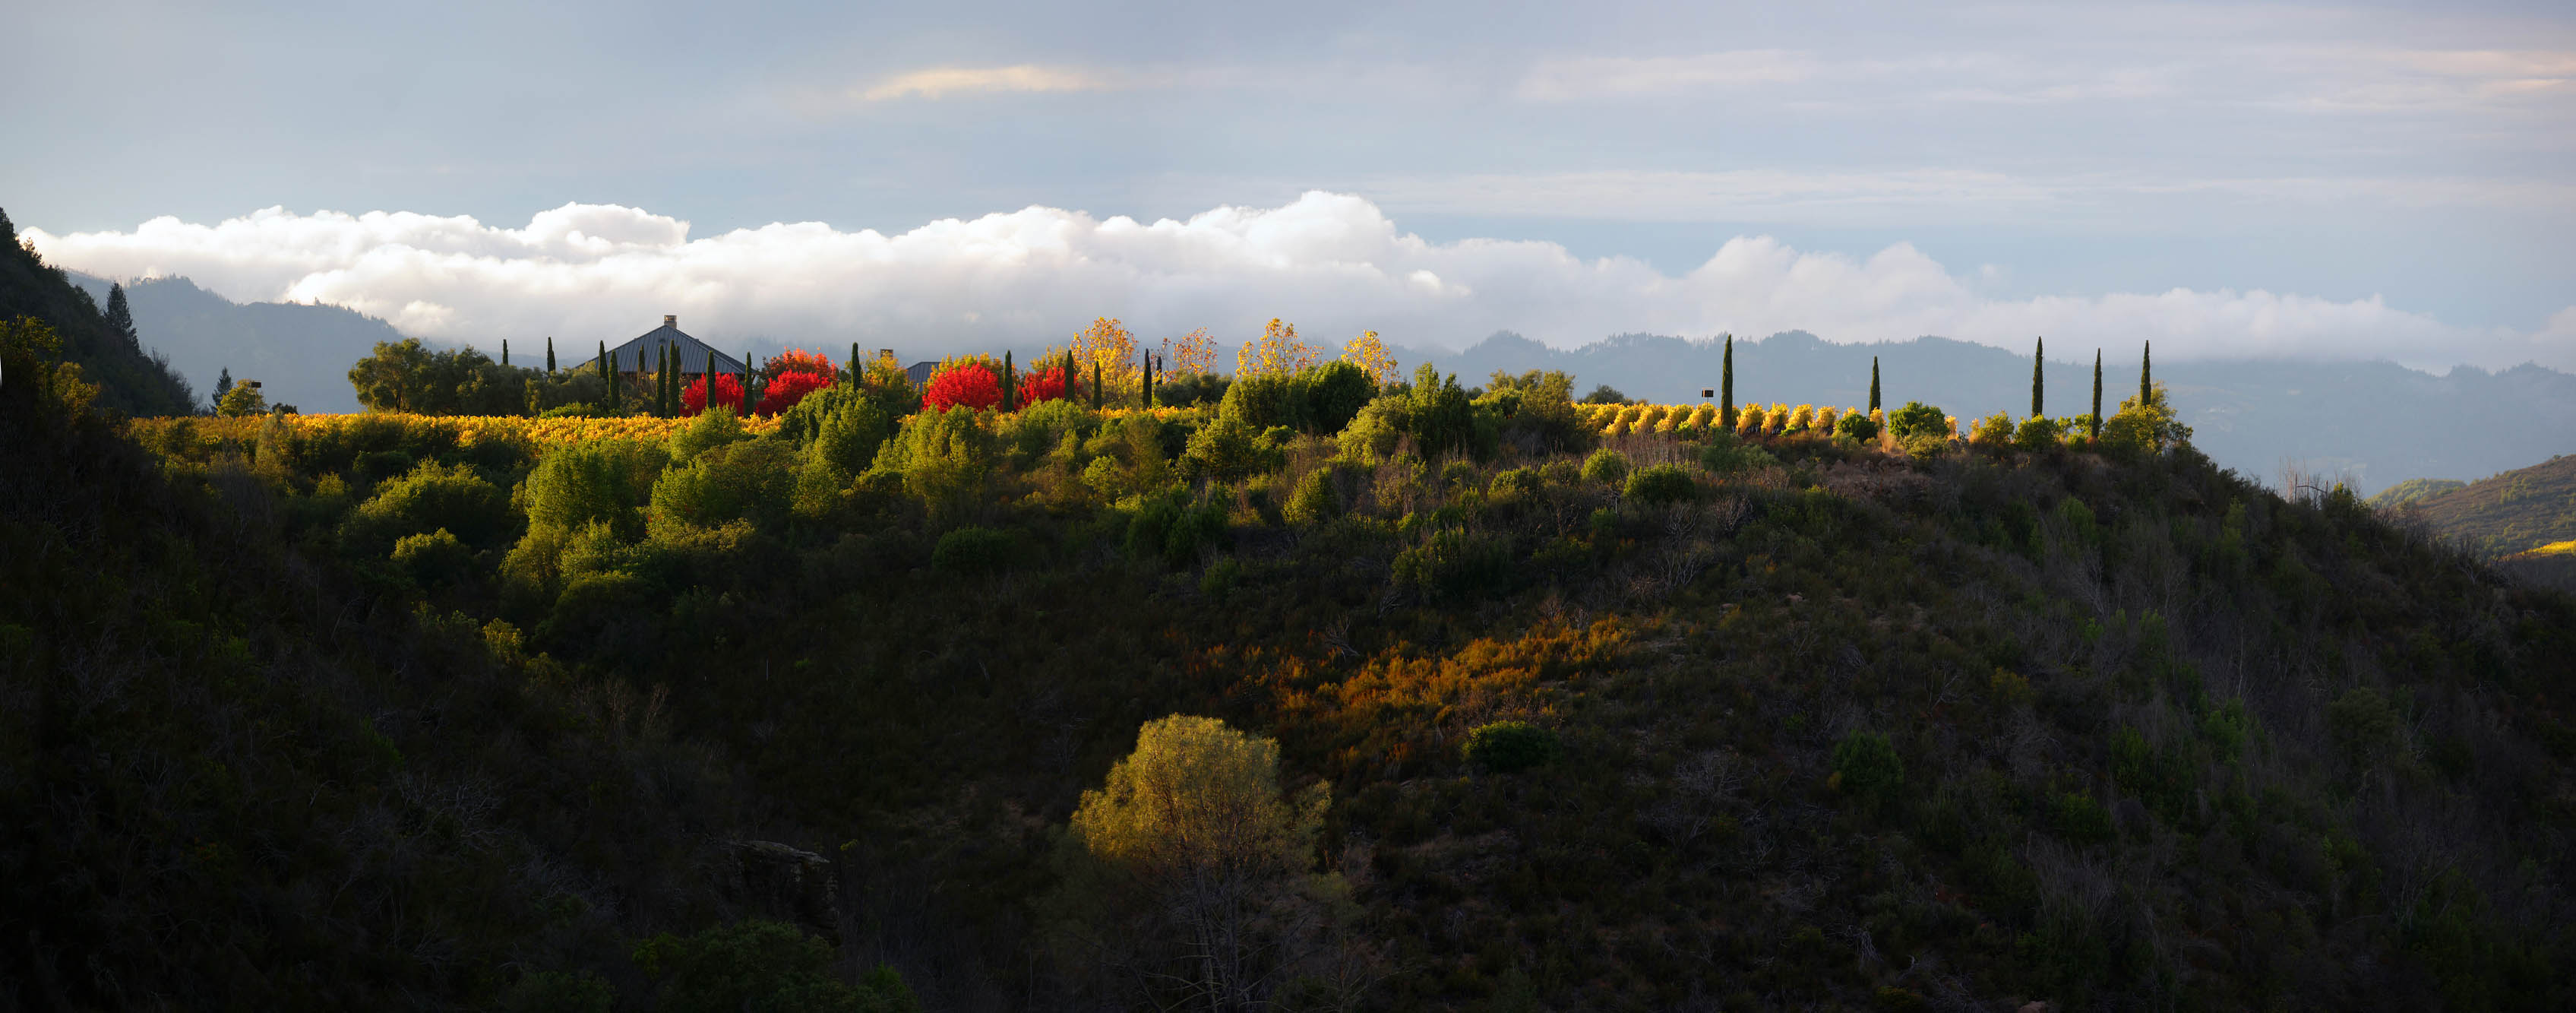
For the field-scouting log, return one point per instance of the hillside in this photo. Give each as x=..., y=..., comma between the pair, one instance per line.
x=300, y=353
x=2512, y=512
x=1809, y=722
x=2372, y=423
x=132, y=376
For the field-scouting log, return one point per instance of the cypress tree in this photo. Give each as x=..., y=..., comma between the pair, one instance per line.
x=1095, y=386
x=2096, y=427
x=2146, y=370
x=1071, y=385
x=1010, y=377
x=1726, y=387
x=1873, y=383
x=550, y=354
x=505, y=351
x=669, y=383
x=2037, y=346
x=608, y=375
x=747, y=371
x=120, y=317
x=1146, y=398
x=854, y=363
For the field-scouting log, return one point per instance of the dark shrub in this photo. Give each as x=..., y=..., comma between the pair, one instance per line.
x=1606, y=466
x=1507, y=747
x=1663, y=483
x=1856, y=426
x=974, y=550
x=1867, y=764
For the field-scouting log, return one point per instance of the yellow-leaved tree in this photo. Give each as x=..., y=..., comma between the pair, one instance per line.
x=1190, y=877
x=1277, y=350
x=1190, y=353
x=1370, y=355
x=1107, y=345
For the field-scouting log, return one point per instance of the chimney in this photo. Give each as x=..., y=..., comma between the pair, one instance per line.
x=671, y=320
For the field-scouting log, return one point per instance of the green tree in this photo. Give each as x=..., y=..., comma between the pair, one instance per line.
x=242, y=399
x=1726, y=387
x=2038, y=365
x=2146, y=424
x=1873, y=383
x=120, y=318
x=550, y=354
x=1010, y=381
x=942, y=457
x=223, y=385
x=1866, y=763
x=2095, y=427
x=2146, y=372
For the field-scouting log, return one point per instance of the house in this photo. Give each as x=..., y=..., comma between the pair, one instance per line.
x=920, y=372
x=643, y=354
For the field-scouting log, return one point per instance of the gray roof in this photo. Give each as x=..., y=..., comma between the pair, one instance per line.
x=920, y=373
x=643, y=353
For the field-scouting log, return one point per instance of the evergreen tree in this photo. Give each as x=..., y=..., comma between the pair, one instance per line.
x=120, y=317
x=1873, y=383
x=550, y=355
x=1146, y=399
x=1009, y=380
x=223, y=384
x=2038, y=346
x=608, y=375
x=2146, y=373
x=505, y=351
x=1095, y=386
x=748, y=372
x=662, y=384
x=854, y=362
x=1072, y=384
x=2096, y=427
x=1726, y=388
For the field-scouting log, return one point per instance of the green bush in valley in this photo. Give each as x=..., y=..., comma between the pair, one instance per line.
x=1508, y=747
x=943, y=457
x=2148, y=426
x=1515, y=482
x=1994, y=432
x=604, y=480
x=1443, y=418
x=1662, y=483
x=2083, y=820
x=1454, y=564
x=762, y=965
x=1726, y=454
x=1373, y=434
x=1228, y=450
x=1865, y=763
x=1335, y=392
x=1174, y=529
x=975, y=550
x=1856, y=426
x=434, y=497
x=2039, y=432
x=714, y=427
x=1606, y=467
x=1918, y=420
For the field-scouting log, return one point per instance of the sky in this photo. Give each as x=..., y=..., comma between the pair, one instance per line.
x=2229, y=181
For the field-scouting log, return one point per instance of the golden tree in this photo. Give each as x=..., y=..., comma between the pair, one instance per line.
x=1108, y=345
x=1277, y=350
x=1194, y=352
x=1369, y=354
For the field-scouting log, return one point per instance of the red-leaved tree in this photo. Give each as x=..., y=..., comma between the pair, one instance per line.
x=694, y=399
x=1041, y=385
x=970, y=383
x=798, y=360
x=783, y=392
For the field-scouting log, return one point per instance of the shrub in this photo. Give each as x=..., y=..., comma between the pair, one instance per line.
x=434, y=558
x=2039, y=432
x=1865, y=763
x=747, y=481
x=1228, y=450
x=728, y=394
x=1173, y=529
x=602, y=480
x=1372, y=435
x=974, y=550
x=1317, y=498
x=434, y=498
x=1727, y=454
x=1334, y=392
x=1454, y=564
x=943, y=456
x=1513, y=482
x=1443, y=418
x=1994, y=432
x=1508, y=747
x=1606, y=467
x=706, y=432
x=1917, y=419
x=1263, y=400
x=2081, y=819
x=2150, y=426
x=1662, y=483
x=1856, y=426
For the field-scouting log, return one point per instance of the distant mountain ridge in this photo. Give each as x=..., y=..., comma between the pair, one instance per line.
x=300, y=353
x=132, y=375
x=2517, y=511
x=2371, y=423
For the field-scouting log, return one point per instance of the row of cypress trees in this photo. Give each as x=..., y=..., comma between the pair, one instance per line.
x=2038, y=382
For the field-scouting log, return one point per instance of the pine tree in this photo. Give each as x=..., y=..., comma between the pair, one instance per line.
x=1095, y=386
x=1072, y=384
x=1726, y=387
x=1010, y=379
x=854, y=363
x=2096, y=426
x=550, y=355
x=505, y=351
x=2146, y=372
x=1873, y=385
x=1145, y=398
x=223, y=384
x=2038, y=346
x=120, y=317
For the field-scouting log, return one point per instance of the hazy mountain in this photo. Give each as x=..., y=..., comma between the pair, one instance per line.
x=299, y=353
x=2513, y=512
x=2373, y=423
x=132, y=375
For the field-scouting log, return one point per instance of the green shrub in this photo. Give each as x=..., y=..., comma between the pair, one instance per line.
x=750, y=481
x=1334, y=392
x=1662, y=483
x=1317, y=499
x=1516, y=482
x=434, y=558
x=1228, y=450
x=1173, y=529
x=1726, y=454
x=1507, y=747
x=1994, y=432
x=432, y=498
x=943, y=456
x=560, y=992
x=714, y=427
x=1454, y=564
x=1917, y=419
x=1606, y=467
x=975, y=550
x=1856, y=426
x=1220, y=577
x=1865, y=763
x=2039, y=432
x=1373, y=434
x=2081, y=819
x=602, y=480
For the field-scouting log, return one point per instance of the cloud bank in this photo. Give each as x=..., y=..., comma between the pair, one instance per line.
x=1333, y=264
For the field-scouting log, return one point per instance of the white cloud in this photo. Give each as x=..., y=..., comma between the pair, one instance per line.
x=941, y=82
x=1334, y=264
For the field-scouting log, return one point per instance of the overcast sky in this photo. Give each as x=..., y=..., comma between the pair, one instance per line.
x=2354, y=180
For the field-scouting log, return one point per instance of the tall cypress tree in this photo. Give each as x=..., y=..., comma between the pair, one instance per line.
x=748, y=370
x=1873, y=384
x=2146, y=373
x=1095, y=386
x=505, y=351
x=667, y=384
x=550, y=354
x=1146, y=398
x=854, y=363
x=120, y=317
x=1072, y=385
x=1010, y=380
x=1726, y=387
x=2096, y=427
x=608, y=375
x=2037, y=347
